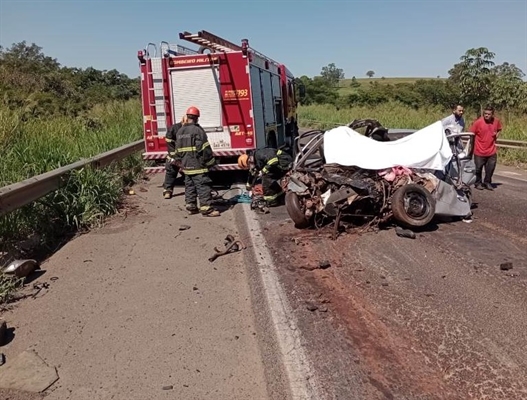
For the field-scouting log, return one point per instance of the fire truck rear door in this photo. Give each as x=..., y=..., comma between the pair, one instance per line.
x=199, y=87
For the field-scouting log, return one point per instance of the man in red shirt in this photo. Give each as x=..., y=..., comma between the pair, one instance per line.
x=487, y=129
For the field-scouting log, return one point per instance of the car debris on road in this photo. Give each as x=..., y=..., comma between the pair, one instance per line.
x=346, y=177
x=231, y=246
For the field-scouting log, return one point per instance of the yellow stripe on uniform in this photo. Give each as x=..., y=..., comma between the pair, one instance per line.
x=195, y=171
x=186, y=149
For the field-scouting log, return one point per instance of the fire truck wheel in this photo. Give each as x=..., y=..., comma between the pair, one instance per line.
x=294, y=209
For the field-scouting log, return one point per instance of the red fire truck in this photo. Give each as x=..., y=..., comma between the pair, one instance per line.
x=246, y=99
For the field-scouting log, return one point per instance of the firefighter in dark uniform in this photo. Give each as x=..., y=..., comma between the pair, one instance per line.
x=273, y=164
x=194, y=156
x=171, y=170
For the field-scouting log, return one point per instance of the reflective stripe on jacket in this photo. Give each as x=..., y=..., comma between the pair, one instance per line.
x=266, y=159
x=193, y=149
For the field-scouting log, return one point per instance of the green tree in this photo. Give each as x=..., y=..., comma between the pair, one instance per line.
x=508, y=90
x=37, y=84
x=318, y=91
x=370, y=74
x=332, y=75
x=474, y=76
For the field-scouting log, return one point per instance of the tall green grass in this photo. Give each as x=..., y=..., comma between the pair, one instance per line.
x=32, y=146
x=393, y=115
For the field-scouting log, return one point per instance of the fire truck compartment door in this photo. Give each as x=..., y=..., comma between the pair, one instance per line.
x=198, y=87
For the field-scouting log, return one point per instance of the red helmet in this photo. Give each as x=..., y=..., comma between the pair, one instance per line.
x=193, y=111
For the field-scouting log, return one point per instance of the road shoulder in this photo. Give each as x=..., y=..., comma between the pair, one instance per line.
x=137, y=311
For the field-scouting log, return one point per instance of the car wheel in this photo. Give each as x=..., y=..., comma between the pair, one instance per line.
x=294, y=209
x=413, y=206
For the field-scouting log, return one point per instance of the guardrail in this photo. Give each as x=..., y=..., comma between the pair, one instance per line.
x=21, y=193
x=504, y=143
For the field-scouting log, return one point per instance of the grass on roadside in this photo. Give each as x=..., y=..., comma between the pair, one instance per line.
x=395, y=115
x=89, y=195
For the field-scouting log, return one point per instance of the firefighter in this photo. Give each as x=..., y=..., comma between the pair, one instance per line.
x=171, y=170
x=273, y=164
x=194, y=156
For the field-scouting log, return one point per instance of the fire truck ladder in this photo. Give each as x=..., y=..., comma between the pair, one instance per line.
x=155, y=108
x=210, y=41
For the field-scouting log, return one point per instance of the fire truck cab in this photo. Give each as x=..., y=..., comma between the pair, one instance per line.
x=247, y=100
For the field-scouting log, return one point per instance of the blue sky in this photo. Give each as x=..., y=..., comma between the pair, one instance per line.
x=391, y=37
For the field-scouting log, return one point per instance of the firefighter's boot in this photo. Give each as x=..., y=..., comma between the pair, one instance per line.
x=192, y=209
x=167, y=194
x=209, y=211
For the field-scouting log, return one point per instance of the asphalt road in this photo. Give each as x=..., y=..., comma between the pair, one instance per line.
x=430, y=318
x=139, y=312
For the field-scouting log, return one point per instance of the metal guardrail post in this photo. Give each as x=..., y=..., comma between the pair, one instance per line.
x=21, y=193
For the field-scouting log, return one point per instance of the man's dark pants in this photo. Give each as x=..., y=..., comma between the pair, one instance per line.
x=198, y=186
x=171, y=172
x=489, y=163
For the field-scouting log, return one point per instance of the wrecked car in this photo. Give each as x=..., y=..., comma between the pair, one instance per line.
x=371, y=179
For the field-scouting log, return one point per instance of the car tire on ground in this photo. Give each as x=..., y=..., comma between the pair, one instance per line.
x=294, y=209
x=413, y=206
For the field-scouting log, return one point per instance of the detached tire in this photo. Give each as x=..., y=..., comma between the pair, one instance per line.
x=294, y=209
x=413, y=206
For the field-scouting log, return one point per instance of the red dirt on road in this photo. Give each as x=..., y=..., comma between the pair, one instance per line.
x=431, y=318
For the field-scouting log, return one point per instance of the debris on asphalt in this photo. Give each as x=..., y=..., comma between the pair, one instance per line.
x=311, y=306
x=184, y=227
x=21, y=268
x=231, y=246
x=324, y=264
x=323, y=309
x=2, y=359
x=407, y=233
x=168, y=387
x=506, y=266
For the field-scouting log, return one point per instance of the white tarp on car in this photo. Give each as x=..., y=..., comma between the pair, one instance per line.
x=427, y=148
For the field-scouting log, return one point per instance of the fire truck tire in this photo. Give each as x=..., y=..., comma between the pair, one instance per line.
x=413, y=206
x=294, y=209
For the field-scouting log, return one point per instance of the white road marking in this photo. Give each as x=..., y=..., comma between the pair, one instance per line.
x=301, y=379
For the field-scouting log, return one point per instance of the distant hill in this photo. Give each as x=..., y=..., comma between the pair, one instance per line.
x=345, y=84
